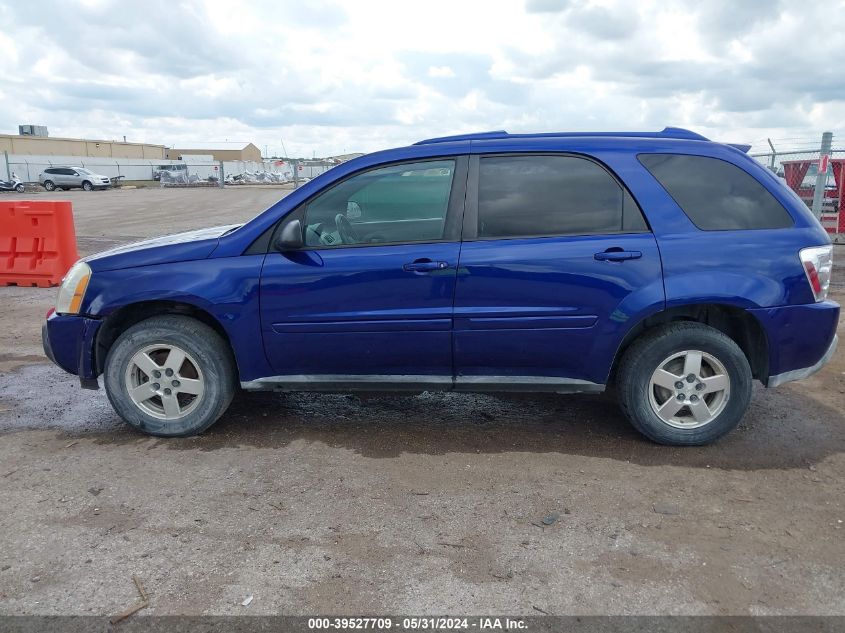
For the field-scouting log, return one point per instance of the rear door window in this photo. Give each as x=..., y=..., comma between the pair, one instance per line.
x=539, y=196
x=716, y=195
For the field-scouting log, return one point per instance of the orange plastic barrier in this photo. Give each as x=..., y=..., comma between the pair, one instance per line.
x=37, y=242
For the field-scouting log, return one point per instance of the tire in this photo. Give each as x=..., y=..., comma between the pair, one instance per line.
x=673, y=349
x=48, y=185
x=20, y=188
x=202, y=386
x=87, y=186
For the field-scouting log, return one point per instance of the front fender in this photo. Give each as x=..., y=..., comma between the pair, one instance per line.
x=225, y=288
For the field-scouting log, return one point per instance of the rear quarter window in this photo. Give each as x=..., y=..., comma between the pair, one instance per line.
x=716, y=195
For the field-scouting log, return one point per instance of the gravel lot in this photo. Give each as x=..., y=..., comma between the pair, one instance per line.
x=402, y=504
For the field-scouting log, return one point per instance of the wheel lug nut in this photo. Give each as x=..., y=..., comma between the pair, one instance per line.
x=156, y=374
x=176, y=383
x=168, y=372
x=167, y=392
x=680, y=397
x=693, y=398
x=679, y=385
x=700, y=386
x=156, y=386
x=691, y=378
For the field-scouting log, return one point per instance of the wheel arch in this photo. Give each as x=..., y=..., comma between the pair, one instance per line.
x=128, y=315
x=738, y=324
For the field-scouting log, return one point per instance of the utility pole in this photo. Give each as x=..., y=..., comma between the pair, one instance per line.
x=821, y=176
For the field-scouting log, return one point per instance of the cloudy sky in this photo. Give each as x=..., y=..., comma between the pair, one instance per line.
x=330, y=77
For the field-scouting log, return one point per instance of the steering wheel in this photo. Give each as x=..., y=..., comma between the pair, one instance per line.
x=348, y=235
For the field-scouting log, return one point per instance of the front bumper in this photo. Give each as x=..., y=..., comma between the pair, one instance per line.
x=69, y=341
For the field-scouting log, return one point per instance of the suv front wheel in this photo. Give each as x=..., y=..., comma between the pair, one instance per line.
x=684, y=384
x=87, y=186
x=170, y=376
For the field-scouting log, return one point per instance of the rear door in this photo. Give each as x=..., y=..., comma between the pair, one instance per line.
x=59, y=176
x=369, y=297
x=69, y=178
x=556, y=260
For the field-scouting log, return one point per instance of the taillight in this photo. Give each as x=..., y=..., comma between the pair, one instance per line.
x=818, y=265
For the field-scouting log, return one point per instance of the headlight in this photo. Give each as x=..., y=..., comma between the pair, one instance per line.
x=73, y=289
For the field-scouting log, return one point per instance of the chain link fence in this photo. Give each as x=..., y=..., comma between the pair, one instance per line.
x=821, y=191
x=73, y=171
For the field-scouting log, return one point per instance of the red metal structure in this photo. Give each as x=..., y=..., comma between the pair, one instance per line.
x=833, y=218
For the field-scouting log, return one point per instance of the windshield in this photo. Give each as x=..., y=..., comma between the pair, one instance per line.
x=81, y=170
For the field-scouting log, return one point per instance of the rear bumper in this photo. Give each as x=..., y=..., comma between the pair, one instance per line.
x=801, y=339
x=800, y=374
x=68, y=341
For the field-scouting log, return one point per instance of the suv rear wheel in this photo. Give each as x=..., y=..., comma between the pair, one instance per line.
x=48, y=185
x=684, y=384
x=170, y=376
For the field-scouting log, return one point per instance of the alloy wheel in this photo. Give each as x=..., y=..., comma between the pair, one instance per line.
x=164, y=381
x=689, y=389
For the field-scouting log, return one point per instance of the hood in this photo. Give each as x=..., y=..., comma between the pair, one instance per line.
x=179, y=247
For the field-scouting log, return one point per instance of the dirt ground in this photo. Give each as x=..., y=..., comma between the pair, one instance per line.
x=318, y=504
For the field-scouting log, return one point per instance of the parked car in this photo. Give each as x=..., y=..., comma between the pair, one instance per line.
x=72, y=178
x=675, y=268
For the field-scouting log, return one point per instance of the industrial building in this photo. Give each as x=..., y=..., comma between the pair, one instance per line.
x=31, y=145
x=220, y=151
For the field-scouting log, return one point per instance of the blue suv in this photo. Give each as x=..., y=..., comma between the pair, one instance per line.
x=674, y=268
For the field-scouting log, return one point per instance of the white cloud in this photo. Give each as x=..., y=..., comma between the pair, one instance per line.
x=440, y=71
x=327, y=77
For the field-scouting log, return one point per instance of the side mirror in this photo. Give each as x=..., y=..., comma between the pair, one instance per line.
x=290, y=239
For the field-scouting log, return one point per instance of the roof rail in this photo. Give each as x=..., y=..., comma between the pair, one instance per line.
x=667, y=132
x=474, y=136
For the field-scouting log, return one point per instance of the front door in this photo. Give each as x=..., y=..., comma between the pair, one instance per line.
x=556, y=264
x=369, y=297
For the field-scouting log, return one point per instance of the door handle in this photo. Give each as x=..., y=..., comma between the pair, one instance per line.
x=424, y=265
x=617, y=255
